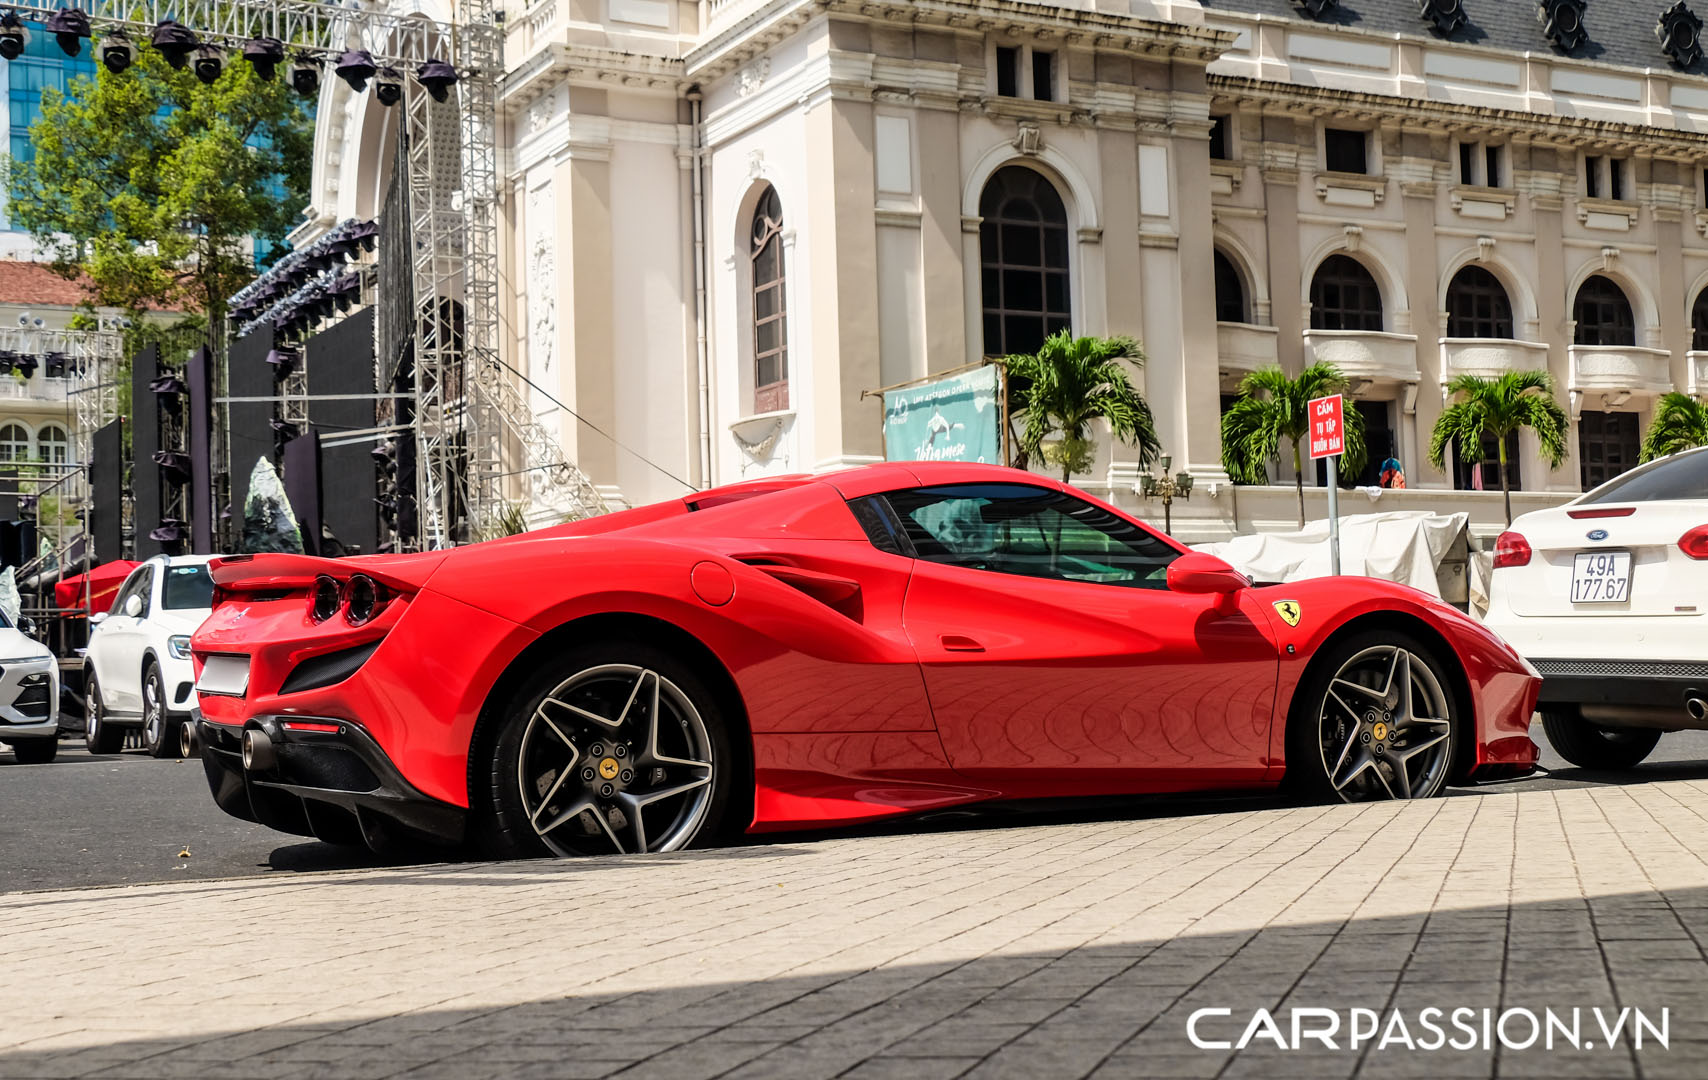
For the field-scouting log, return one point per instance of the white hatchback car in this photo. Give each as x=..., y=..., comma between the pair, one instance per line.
x=29, y=695
x=139, y=655
x=1608, y=597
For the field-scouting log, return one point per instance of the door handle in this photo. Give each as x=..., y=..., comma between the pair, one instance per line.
x=959, y=643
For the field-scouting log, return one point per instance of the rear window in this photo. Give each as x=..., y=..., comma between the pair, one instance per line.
x=1681, y=477
x=187, y=587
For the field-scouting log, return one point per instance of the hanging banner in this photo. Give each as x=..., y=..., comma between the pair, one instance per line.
x=956, y=417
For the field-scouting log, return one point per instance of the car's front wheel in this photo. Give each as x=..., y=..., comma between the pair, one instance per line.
x=1590, y=746
x=99, y=736
x=617, y=748
x=36, y=751
x=159, y=730
x=1375, y=719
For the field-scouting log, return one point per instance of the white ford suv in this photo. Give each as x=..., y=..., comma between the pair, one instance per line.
x=1608, y=597
x=139, y=655
x=29, y=695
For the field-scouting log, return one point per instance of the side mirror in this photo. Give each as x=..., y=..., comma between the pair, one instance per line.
x=1196, y=572
x=98, y=618
x=26, y=626
x=133, y=605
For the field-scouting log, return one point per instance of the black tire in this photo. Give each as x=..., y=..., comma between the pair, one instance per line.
x=1590, y=746
x=500, y=826
x=159, y=728
x=99, y=736
x=36, y=751
x=1317, y=723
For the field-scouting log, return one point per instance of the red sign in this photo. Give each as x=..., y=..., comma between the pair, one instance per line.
x=1328, y=432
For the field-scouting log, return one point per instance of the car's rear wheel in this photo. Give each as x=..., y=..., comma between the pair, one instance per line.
x=99, y=736
x=1590, y=746
x=1374, y=720
x=159, y=730
x=36, y=751
x=618, y=748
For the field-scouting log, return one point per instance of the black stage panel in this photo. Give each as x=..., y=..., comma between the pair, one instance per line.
x=106, y=487
x=199, y=375
x=341, y=361
x=145, y=440
x=302, y=487
x=250, y=376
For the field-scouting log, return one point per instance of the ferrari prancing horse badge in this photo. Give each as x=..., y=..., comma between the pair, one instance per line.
x=1289, y=611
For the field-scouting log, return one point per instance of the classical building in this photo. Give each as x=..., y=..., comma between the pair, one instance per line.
x=724, y=220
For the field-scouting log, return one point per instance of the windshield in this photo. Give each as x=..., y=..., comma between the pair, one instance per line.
x=1681, y=477
x=187, y=587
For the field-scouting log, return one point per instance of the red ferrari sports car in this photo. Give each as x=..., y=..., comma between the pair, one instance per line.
x=804, y=651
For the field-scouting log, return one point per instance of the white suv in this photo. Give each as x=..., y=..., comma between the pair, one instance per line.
x=1608, y=597
x=29, y=695
x=139, y=655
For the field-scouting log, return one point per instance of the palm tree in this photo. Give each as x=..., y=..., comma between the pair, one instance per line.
x=1272, y=407
x=1065, y=385
x=1680, y=422
x=1496, y=408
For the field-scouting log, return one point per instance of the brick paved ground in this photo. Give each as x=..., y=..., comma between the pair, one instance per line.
x=1062, y=950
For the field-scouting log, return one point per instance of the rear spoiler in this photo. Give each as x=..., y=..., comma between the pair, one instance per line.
x=280, y=570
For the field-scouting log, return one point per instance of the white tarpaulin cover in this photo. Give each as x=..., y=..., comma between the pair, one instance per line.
x=1402, y=545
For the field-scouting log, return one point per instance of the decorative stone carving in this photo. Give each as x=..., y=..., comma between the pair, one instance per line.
x=1029, y=138
x=750, y=78
x=1354, y=237
x=1485, y=248
x=1562, y=23
x=539, y=115
x=1680, y=34
x=542, y=281
x=755, y=164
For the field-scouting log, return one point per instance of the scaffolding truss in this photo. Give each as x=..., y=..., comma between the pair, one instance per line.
x=478, y=448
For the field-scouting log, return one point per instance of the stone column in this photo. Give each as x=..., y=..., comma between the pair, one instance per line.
x=945, y=272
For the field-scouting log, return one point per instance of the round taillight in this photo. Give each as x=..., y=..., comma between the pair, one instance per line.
x=323, y=603
x=1695, y=542
x=1511, y=549
x=361, y=599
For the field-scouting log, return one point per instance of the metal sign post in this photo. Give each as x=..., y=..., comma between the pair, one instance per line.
x=1328, y=440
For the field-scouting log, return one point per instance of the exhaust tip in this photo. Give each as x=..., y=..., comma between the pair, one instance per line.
x=1696, y=707
x=259, y=754
x=187, y=747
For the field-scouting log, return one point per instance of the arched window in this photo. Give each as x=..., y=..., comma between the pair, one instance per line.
x=53, y=445
x=1603, y=314
x=1477, y=305
x=14, y=443
x=1230, y=292
x=1344, y=296
x=770, y=306
x=1024, y=257
x=1698, y=323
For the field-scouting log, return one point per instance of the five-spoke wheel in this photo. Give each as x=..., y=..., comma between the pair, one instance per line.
x=1378, y=724
x=627, y=754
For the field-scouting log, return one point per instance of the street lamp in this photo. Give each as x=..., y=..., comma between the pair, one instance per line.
x=1167, y=488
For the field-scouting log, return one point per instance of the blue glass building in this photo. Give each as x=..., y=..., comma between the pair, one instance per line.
x=42, y=67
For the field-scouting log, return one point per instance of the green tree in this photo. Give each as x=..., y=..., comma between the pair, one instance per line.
x=152, y=187
x=1680, y=423
x=1272, y=407
x=1070, y=382
x=1496, y=408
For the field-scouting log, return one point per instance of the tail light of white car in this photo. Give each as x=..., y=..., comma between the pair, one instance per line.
x=1695, y=542
x=1511, y=549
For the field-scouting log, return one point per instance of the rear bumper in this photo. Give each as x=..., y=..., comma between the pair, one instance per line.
x=338, y=785
x=1662, y=683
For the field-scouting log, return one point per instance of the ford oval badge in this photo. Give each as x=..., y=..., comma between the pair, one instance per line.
x=1597, y=534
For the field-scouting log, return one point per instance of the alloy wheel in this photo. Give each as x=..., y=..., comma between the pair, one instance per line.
x=616, y=759
x=153, y=715
x=1385, y=728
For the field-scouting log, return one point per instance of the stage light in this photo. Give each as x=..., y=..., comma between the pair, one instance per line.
x=69, y=27
x=305, y=75
x=438, y=77
x=117, y=53
x=209, y=63
x=265, y=54
x=356, y=67
x=388, y=88
x=11, y=36
x=173, y=41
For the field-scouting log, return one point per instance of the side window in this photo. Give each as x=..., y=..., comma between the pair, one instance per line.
x=1018, y=529
x=145, y=589
x=121, y=597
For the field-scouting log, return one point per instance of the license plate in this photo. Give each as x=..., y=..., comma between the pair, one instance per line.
x=224, y=675
x=1601, y=577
